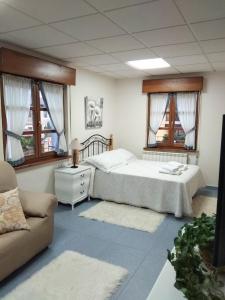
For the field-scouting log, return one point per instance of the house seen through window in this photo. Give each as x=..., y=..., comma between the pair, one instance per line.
x=170, y=132
x=45, y=130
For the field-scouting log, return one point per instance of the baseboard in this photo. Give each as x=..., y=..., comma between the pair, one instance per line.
x=211, y=187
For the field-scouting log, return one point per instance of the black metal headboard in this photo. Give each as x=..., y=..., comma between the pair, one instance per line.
x=94, y=145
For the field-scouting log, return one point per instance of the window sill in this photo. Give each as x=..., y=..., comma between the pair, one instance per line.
x=175, y=150
x=41, y=162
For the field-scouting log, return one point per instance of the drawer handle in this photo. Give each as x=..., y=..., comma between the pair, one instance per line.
x=82, y=175
x=82, y=183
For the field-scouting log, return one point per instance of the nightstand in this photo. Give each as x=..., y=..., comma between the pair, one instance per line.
x=72, y=185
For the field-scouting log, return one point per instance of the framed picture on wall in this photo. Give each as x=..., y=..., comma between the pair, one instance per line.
x=93, y=112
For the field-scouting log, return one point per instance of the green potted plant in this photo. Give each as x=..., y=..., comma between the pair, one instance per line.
x=196, y=278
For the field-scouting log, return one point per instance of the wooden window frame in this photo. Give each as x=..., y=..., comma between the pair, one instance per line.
x=39, y=157
x=171, y=145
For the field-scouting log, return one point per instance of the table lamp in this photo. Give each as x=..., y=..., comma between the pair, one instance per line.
x=75, y=146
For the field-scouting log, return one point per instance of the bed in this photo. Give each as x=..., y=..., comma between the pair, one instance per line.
x=139, y=183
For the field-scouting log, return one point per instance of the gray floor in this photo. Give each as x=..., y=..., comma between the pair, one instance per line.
x=141, y=253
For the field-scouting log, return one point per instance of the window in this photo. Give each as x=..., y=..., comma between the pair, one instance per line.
x=171, y=133
x=172, y=119
x=39, y=139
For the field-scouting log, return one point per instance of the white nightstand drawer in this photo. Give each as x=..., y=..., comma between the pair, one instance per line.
x=83, y=175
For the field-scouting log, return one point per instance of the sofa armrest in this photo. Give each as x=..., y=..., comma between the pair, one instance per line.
x=37, y=204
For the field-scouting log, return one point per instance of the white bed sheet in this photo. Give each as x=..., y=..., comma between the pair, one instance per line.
x=139, y=183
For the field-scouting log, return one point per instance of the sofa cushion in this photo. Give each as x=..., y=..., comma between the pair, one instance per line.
x=11, y=213
x=17, y=247
x=7, y=177
x=37, y=204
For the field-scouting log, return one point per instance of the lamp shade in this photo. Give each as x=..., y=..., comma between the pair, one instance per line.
x=75, y=144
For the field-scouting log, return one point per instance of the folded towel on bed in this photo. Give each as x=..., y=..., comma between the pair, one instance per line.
x=169, y=168
x=175, y=163
x=184, y=168
x=178, y=165
x=164, y=171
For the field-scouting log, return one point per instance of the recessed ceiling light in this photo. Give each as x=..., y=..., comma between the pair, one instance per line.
x=144, y=64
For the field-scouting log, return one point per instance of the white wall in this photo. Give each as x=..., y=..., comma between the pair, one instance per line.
x=38, y=179
x=131, y=115
x=92, y=85
x=211, y=111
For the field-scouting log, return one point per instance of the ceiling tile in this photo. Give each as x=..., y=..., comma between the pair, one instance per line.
x=166, y=36
x=41, y=36
x=130, y=73
x=50, y=11
x=115, y=67
x=163, y=71
x=177, y=50
x=94, y=69
x=213, y=45
x=216, y=57
x=147, y=16
x=219, y=66
x=118, y=43
x=133, y=55
x=90, y=27
x=77, y=65
x=94, y=60
x=69, y=50
x=202, y=10
x=186, y=60
x=111, y=74
x=11, y=19
x=194, y=68
x=104, y=5
x=209, y=30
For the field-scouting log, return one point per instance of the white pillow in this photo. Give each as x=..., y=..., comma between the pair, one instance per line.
x=126, y=155
x=105, y=161
x=110, y=159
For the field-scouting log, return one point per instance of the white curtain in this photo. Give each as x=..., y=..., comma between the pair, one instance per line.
x=158, y=105
x=17, y=98
x=186, y=107
x=53, y=96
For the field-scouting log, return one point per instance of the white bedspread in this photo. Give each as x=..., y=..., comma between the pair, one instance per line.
x=139, y=183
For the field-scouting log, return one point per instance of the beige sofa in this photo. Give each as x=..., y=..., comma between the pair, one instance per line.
x=17, y=247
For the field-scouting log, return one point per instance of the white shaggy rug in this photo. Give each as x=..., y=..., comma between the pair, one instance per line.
x=71, y=276
x=202, y=204
x=125, y=215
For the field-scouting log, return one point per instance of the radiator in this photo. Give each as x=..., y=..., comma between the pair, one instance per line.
x=165, y=156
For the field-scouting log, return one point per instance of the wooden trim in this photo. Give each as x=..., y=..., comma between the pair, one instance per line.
x=21, y=64
x=197, y=120
x=36, y=118
x=171, y=121
x=110, y=142
x=185, y=84
x=41, y=162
